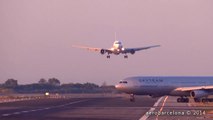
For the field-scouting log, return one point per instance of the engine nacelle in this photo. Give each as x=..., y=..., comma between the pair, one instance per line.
x=103, y=51
x=198, y=93
x=132, y=51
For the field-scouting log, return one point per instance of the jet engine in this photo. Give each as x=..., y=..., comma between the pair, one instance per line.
x=198, y=93
x=103, y=51
x=132, y=51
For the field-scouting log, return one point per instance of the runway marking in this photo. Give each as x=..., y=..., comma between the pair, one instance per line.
x=144, y=117
x=162, y=106
x=5, y=115
x=24, y=111
x=41, y=109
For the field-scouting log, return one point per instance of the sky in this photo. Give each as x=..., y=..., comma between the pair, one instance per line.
x=36, y=38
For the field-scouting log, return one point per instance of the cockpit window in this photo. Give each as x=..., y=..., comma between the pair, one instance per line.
x=117, y=42
x=125, y=82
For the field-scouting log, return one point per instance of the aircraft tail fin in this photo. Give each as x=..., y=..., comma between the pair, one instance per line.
x=115, y=36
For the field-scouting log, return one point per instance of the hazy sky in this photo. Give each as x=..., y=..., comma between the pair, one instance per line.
x=36, y=38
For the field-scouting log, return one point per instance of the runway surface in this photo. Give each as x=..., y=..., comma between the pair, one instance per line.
x=68, y=108
x=169, y=109
x=101, y=107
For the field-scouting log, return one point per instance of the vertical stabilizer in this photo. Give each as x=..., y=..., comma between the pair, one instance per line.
x=115, y=36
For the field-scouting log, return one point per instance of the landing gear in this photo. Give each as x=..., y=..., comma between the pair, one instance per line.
x=183, y=99
x=197, y=100
x=132, y=98
x=125, y=56
x=203, y=100
x=108, y=56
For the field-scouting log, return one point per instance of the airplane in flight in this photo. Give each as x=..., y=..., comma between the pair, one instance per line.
x=198, y=88
x=116, y=49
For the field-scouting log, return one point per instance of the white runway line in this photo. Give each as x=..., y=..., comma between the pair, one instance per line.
x=145, y=116
x=16, y=113
x=25, y=111
x=41, y=109
x=5, y=115
x=162, y=106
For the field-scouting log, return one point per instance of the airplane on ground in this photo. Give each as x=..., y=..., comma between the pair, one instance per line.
x=199, y=88
x=116, y=49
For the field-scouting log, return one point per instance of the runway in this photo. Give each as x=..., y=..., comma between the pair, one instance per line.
x=169, y=109
x=98, y=107
x=69, y=108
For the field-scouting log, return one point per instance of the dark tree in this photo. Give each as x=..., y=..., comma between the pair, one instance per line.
x=42, y=81
x=11, y=83
x=54, y=82
x=104, y=84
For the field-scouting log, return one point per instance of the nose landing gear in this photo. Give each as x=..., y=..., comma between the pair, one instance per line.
x=132, y=98
x=125, y=56
x=108, y=56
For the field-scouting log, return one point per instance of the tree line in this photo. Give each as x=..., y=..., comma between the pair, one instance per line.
x=54, y=85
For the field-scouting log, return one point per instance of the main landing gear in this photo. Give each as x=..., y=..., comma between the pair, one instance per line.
x=125, y=56
x=203, y=100
x=108, y=56
x=183, y=99
x=132, y=98
x=197, y=99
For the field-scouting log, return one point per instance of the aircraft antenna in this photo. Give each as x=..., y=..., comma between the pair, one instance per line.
x=115, y=36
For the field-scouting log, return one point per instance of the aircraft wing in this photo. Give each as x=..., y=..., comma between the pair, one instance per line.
x=87, y=48
x=93, y=49
x=194, y=88
x=140, y=48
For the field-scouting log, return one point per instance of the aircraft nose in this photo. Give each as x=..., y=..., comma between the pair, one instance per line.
x=118, y=86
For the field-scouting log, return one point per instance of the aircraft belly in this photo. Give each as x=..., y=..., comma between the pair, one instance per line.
x=179, y=93
x=116, y=52
x=153, y=90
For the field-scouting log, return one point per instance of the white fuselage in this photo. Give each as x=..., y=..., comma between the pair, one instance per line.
x=117, y=47
x=159, y=86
